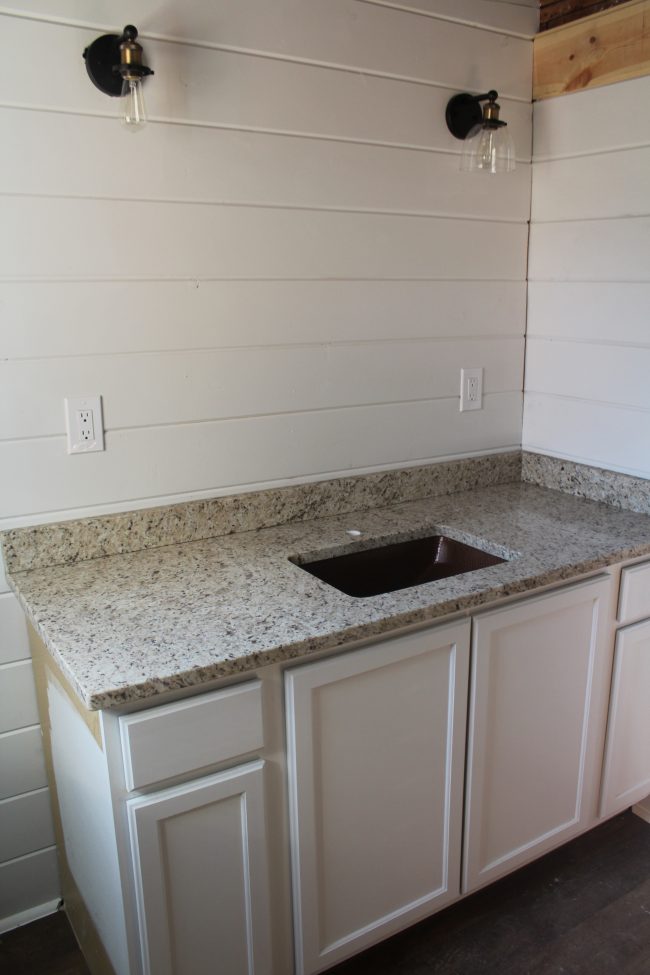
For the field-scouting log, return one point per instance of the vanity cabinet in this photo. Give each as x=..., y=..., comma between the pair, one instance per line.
x=538, y=707
x=376, y=744
x=285, y=822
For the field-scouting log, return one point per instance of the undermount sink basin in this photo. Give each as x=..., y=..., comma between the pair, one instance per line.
x=373, y=571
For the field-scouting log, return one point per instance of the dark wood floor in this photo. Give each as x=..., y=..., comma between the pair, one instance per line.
x=582, y=910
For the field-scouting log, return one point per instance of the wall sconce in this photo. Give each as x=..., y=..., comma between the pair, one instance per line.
x=114, y=65
x=488, y=145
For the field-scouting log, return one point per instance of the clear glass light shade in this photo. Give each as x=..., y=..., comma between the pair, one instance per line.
x=133, y=112
x=489, y=150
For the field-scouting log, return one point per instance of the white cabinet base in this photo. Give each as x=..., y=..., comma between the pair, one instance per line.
x=376, y=741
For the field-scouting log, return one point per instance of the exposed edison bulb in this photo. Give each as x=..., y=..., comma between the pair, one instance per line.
x=488, y=149
x=134, y=116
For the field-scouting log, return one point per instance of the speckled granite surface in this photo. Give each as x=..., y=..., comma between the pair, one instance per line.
x=595, y=483
x=91, y=538
x=132, y=626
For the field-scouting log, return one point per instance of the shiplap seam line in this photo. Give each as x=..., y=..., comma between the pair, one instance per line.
x=198, y=280
x=27, y=856
x=536, y=222
x=582, y=340
x=477, y=24
x=18, y=731
x=255, y=130
x=21, y=795
x=599, y=280
x=49, y=516
x=535, y=448
x=610, y=404
x=588, y=153
x=355, y=70
x=246, y=417
x=274, y=347
x=174, y=39
x=246, y=205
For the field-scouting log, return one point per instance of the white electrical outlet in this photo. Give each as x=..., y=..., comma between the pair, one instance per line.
x=471, y=389
x=83, y=423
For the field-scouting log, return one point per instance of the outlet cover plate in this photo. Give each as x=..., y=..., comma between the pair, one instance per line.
x=471, y=389
x=84, y=424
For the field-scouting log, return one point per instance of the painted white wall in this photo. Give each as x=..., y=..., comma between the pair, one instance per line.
x=278, y=280
x=588, y=346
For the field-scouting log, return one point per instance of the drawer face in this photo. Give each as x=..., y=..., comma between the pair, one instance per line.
x=188, y=735
x=634, y=598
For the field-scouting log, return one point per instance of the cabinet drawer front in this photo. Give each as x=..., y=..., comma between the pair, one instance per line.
x=634, y=600
x=190, y=735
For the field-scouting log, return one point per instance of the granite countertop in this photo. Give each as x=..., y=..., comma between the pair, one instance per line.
x=132, y=626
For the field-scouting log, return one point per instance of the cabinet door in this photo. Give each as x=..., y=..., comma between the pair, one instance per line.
x=626, y=776
x=376, y=741
x=538, y=705
x=199, y=859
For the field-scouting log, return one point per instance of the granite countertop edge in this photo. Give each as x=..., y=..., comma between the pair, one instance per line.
x=103, y=677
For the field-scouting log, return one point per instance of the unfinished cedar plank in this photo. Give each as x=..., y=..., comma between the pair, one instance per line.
x=599, y=50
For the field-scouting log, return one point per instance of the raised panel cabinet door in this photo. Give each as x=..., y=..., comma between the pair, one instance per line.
x=626, y=774
x=538, y=705
x=376, y=742
x=201, y=884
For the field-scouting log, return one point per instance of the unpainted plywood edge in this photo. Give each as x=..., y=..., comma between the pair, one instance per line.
x=45, y=669
x=642, y=809
x=607, y=47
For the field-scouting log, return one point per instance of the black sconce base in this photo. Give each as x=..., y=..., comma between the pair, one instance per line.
x=101, y=57
x=463, y=113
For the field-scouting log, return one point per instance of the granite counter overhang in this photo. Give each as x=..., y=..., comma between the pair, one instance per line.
x=130, y=627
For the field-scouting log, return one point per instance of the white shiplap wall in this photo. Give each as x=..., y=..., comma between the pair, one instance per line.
x=588, y=350
x=279, y=279
x=29, y=882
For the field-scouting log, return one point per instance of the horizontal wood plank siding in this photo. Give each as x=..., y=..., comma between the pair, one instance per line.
x=588, y=348
x=25, y=824
x=27, y=883
x=189, y=315
x=302, y=228
x=190, y=459
x=22, y=768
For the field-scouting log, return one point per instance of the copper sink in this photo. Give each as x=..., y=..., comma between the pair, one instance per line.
x=401, y=565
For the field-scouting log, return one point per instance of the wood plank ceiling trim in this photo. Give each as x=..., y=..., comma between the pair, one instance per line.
x=599, y=50
x=553, y=13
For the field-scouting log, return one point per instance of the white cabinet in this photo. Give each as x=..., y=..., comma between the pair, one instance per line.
x=538, y=700
x=376, y=741
x=626, y=774
x=199, y=859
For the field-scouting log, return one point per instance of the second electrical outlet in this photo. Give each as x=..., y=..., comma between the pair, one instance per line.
x=471, y=389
